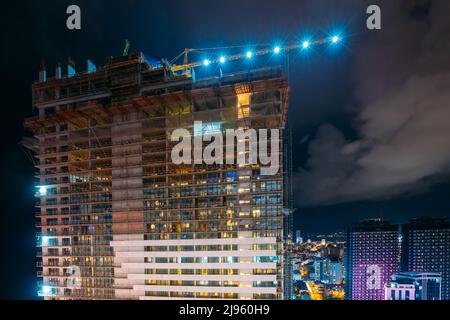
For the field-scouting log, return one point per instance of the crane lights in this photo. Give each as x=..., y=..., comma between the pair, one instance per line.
x=306, y=44
x=335, y=39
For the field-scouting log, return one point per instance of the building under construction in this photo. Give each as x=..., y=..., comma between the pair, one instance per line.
x=118, y=220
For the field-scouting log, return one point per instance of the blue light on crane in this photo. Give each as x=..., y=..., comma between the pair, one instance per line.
x=214, y=56
x=335, y=39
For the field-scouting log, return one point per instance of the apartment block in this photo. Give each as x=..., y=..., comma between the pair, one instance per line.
x=373, y=256
x=118, y=219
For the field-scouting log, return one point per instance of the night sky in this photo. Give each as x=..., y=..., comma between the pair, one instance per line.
x=370, y=120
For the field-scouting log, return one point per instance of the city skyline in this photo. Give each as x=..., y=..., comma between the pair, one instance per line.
x=383, y=261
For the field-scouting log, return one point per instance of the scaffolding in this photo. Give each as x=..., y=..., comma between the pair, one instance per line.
x=103, y=154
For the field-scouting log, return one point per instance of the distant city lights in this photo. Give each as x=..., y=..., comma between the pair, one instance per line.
x=306, y=44
x=277, y=50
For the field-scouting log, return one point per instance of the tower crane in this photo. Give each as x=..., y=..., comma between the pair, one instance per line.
x=215, y=58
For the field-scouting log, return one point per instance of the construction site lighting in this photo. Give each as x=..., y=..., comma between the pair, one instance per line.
x=45, y=241
x=46, y=290
x=43, y=190
x=335, y=39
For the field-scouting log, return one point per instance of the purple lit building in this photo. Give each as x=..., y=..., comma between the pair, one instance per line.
x=372, y=258
x=426, y=248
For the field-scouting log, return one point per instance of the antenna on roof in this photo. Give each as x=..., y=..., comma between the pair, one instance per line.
x=71, y=68
x=43, y=71
x=127, y=48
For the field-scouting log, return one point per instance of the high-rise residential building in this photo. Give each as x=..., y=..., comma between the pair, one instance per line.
x=414, y=286
x=328, y=271
x=372, y=258
x=298, y=237
x=322, y=270
x=118, y=219
x=426, y=248
x=337, y=272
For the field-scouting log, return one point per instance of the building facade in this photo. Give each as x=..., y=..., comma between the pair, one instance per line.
x=414, y=286
x=396, y=291
x=426, y=249
x=372, y=258
x=337, y=272
x=118, y=219
x=298, y=237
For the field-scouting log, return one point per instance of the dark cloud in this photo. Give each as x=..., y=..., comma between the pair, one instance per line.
x=402, y=94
